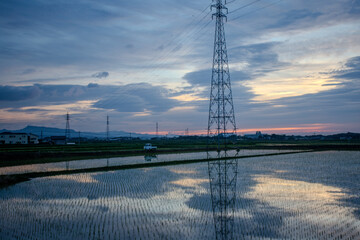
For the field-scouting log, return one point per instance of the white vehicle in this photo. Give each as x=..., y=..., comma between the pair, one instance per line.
x=149, y=147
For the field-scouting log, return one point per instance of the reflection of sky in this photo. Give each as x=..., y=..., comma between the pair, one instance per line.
x=277, y=197
x=118, y=161
x=307, y=203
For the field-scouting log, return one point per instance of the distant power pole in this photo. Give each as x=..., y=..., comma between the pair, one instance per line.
x=67, y=131
x=107, y=128
x=157, y=130
x=186, y=132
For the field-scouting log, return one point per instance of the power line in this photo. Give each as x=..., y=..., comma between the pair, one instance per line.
x=242, y=7
x=184, y=32
x=187, y=37
x=183, y=39
x=258, y=9
x=231, y=2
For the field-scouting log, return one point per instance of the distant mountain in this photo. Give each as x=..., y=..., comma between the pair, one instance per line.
x=47, y=132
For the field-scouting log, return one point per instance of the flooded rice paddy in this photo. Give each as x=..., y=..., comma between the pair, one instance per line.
x=298, y=196
x=120, y=161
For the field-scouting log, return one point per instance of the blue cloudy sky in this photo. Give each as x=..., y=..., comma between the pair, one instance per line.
x=295, y=64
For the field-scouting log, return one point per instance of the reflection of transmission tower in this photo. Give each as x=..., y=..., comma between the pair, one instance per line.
x=223, y=176
x=221, y=121
x=67, y=131
x=221, y=124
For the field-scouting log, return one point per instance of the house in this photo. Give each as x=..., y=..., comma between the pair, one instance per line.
x=33, y=139
x=18, y=138
x=58, y=140
x=258, y=135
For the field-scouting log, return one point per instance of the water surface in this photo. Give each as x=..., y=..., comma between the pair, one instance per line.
x=119, y=161
x=297, y=196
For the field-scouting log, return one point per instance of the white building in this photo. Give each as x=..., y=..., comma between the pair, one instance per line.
x=18, y=138
x=254, y=136
x=33, y=139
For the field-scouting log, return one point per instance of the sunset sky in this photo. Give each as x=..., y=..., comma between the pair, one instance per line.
x=294, y=64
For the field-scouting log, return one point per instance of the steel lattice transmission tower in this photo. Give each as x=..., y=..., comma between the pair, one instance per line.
x=107, y=128
x=67, y=130
x=221, y=124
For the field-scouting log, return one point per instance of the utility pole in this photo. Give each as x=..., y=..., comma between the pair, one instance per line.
x=221, y=124
x=67, y=131
x=157, y=130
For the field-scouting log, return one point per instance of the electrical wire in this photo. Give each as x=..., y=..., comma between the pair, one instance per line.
x=258, y=9
x=231, y=2
x=242, y=7
x=185, y=31
x=195, y=34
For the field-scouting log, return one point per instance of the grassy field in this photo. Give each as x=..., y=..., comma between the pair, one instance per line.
x=164, y=144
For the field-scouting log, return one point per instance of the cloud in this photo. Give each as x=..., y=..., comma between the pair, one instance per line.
x=294, y=17
x=124, y=98
x=353, y=63
x=10, y=93
x=355, y=7
x=203, y=77
x=260, y=57
x=140, y=97
x=350, y=75
x=256, y=59
x=100, y=75
x=129, y=46
x=56, y=42
x=93, y=85
x=28, y=71
x=351, y=71
x=339, y=105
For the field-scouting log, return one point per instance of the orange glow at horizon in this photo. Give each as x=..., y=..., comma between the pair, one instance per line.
x=315, y=128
